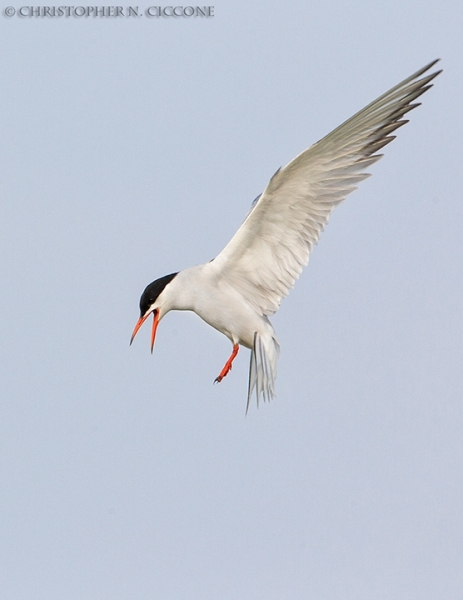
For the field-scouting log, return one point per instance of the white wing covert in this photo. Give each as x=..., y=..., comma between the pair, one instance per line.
x=268, y=252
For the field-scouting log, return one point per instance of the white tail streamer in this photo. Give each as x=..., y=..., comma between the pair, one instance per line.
x=263, y=368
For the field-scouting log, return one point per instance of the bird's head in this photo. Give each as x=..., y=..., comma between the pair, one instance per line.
x=151, y=302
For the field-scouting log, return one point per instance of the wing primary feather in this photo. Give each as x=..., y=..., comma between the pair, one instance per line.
x=268, y=252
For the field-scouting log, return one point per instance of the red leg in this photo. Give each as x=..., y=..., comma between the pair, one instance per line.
x=228, y=364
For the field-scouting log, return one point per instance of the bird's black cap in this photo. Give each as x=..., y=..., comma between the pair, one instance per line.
x=152, y=291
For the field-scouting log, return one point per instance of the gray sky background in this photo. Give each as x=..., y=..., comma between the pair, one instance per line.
x=131, y=148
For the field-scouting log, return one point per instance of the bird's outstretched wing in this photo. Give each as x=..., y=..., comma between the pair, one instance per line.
x=266, y=255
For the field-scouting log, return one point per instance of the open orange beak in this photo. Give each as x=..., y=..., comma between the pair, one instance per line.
x=140, y=322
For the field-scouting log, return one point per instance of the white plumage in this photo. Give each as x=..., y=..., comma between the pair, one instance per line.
x=245, y=283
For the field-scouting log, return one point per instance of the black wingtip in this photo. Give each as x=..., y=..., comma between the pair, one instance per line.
x=429, y=66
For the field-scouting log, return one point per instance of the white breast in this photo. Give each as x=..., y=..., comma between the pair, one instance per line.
x=217, y=302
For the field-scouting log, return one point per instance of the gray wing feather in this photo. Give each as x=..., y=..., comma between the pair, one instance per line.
x=267, y=254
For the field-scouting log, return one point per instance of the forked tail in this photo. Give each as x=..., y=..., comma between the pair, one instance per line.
x=263, y=368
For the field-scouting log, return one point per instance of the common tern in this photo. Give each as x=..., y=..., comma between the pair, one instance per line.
x=238, y=290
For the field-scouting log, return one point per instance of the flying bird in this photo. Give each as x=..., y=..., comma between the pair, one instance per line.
x=238, y=290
